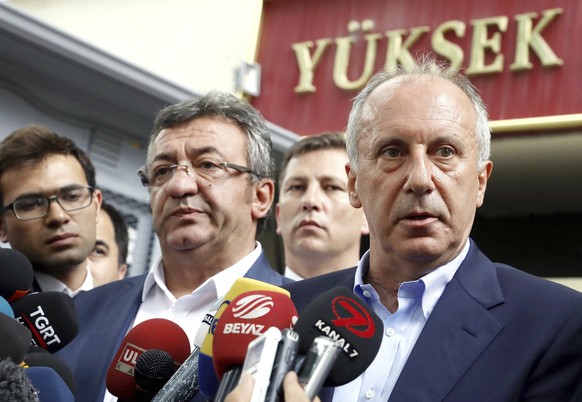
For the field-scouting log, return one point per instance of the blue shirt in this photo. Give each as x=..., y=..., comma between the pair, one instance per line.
x=416, y=300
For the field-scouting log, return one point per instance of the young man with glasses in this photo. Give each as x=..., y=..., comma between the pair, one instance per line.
x=49, y=206
x=209, y=172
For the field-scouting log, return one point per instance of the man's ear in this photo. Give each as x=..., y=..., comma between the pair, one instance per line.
x=263, y=198
x=277, y=211
x=3, y=233
x=122, y=271
x=352, y=193
x=483, y=178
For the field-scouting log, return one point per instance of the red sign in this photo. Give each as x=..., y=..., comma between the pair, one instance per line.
x=523, y=56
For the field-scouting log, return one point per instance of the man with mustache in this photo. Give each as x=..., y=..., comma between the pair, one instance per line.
x=321, y=231
x=209, y=173
x=49, y=207
x=456, y=326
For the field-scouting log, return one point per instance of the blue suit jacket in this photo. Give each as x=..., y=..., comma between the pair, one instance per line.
x=105, y=314
x=497, y=334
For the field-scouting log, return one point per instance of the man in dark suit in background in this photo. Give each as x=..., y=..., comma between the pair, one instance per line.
x=209, y=173
x=457, y=327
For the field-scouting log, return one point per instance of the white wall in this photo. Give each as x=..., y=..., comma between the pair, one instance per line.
x=194, y=43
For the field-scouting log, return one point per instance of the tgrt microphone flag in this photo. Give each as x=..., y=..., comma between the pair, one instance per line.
x=50, y=316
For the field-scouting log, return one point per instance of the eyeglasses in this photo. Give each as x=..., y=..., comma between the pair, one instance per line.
x=37, y=206
x=208, y=169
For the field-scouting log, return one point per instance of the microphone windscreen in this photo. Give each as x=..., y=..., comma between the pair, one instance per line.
x=207, y=376
x=50, y=316
x=16, y=274
x=49, y=385
x=341, y=315
x=157, y=333
x=14, y=339
x=153, y=369
x=247, y=317
x=45, y=359
x=5, y=308
x=14, y=384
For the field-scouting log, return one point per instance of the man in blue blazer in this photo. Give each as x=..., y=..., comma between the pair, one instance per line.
x=209, y=173
x=457, y=327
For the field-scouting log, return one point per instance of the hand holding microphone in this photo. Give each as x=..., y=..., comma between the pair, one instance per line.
x=292, y=390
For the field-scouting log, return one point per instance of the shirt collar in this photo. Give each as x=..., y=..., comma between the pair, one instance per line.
x=289, y=273
x=50, y=283
x=434, y=282
x=220, y=282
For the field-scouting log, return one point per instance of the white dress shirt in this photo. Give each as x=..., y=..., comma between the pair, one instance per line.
x=49, y=283
x=416, y=300
x=187, y=311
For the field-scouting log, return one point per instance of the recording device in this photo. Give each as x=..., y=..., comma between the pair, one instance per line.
x=208, y=379
x=157, y=333
x=317, y=364
x=247, y=317
x=16, y=274
x=42, y=358
x=14, y=339
x=342, y=316
x=153, y=369
x=259, y=361
x=14, y=385
x=5, y=308
x=284, y=362
x=51, y=317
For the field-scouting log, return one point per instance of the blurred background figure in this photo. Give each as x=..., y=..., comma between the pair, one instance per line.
x=321, y=231
x=108, y=261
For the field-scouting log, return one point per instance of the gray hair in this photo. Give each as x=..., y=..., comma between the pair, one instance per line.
x=231, y=109
x=430, y=68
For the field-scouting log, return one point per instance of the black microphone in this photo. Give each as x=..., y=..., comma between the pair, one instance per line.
x=16, y=274
x=50, y=316
x=342, y=316
x=14, y=384
x=43, y=358
x=153, y=369
x=14, y=339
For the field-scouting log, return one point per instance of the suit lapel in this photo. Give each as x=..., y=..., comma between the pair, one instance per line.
x=456, y=333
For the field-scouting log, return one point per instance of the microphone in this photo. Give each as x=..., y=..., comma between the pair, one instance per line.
x=342, y=316
x=16, y=274
x=157, y=333
x=183, y=385
x=42, y=358
x=153, y=369
x=49, y=385
x=14, y=385
x=51, y=317
x=5, y=308
x=207, y=376
x=247, y=317
x=15, y=339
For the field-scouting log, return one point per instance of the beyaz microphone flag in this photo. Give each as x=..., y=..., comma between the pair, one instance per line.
x=342, y=316
x=16, y=274
x=50, y=316
x=207, y=376
x=156, y=333
x=248, y=316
